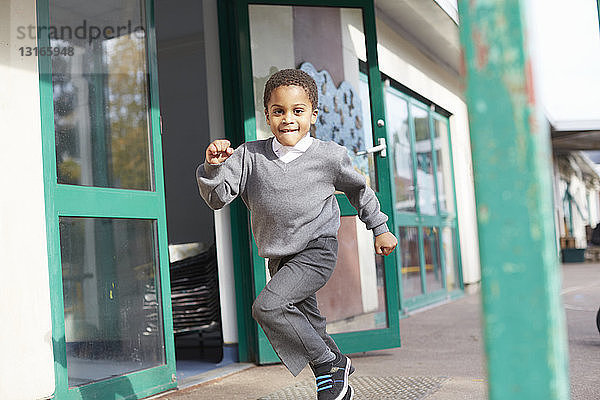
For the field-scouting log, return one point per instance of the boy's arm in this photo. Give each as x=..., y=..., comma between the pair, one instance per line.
x=220, y=184
x=361, y=196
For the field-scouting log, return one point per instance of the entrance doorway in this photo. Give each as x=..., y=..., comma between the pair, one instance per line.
x=182, y=83
x=351, y=113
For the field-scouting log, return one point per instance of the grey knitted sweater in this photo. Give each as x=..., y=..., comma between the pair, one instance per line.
x=294, y=203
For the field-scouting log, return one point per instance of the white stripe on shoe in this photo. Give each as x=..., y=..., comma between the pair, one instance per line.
x=346, y=373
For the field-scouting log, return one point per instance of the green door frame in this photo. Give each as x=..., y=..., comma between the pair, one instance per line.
x=419, y=220
x=80, y=201
x=240, y=118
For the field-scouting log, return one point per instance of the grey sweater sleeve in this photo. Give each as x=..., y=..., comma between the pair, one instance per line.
x=361, y=196
x=220, y=184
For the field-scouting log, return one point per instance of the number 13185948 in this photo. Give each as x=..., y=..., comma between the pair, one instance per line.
x=46, y=51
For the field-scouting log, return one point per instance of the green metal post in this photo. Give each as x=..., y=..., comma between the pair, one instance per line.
x=598, y=7
x=524, y=324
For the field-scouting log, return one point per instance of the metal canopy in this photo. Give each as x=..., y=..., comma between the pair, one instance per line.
x=432, y=26
x=575, y=139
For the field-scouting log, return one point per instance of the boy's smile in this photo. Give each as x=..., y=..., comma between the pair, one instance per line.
x=290, y=114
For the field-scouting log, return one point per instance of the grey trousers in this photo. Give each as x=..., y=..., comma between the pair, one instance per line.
x=287, y=310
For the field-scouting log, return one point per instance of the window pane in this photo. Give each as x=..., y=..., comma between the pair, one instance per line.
x=411, y=265
x=333, y=63
x=433, y=266
x=367, y=134
x=111, y=290
x=425, y=180
x=450, y=258
x=358, y=271
x=101, y=112
x=444, y=173
x=397, y=107
x=344, y=117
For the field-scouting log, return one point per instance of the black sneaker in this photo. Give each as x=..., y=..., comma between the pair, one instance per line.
x=332, y=379
x=349, y=393
x=350, y=372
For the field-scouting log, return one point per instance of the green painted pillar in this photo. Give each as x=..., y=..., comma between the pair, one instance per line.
x=598, y=1
x=524, y=324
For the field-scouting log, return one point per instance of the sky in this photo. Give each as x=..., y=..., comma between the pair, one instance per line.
x=565, y=48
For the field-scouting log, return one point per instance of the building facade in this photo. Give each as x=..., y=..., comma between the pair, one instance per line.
x=118, y=117
x=576, y=182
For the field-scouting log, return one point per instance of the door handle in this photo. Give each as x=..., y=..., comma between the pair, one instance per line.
x=381, y=147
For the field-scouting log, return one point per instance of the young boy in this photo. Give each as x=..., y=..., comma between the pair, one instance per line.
x=288, y=183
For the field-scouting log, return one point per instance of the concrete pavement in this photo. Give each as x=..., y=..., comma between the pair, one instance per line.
x=581, y=298
x=441, y=357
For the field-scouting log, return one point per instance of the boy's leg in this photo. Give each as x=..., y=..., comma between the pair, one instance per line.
x=288, y=329
x=309, y=307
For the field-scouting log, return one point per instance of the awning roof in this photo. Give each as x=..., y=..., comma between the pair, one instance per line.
x=575, y=135
x=432, y=26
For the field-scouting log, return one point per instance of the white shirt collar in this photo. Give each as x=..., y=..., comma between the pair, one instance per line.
x=302, y=145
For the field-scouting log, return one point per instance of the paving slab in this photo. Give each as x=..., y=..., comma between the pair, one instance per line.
x=441, y=352
x=441, y=357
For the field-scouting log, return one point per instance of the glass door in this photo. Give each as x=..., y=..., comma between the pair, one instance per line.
x=105, y=207
x=330, y=43
x=424, y=200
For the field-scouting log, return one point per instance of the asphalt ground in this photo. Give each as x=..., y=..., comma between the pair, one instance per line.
x=441, y=347
x=581, y=299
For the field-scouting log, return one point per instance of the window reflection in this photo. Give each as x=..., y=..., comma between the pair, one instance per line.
x=101, y=112
x=444, y=172
x=450, y=258
x=433, y=266
x=425, y=179
x=408, y=240
x=397, y=107
x=113, y=317
x=358, y=271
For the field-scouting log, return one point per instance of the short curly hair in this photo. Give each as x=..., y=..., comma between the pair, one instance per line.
x=292, y=77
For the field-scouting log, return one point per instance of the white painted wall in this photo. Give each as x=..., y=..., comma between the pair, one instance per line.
x=217, y=131
x=26, y=361
x=404, y=63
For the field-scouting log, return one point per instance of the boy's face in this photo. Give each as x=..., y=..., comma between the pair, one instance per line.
x=289, y=114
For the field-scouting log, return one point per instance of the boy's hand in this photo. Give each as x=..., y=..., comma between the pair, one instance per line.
x=385, y=243
x=218, y=151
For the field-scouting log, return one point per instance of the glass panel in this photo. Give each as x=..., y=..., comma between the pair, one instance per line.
x=358, y=271
x=424, y=161
x=113, y=318
x=433, y=266
x=344, y=117
x=401, y=150
x=450, y=259
x=444, y=173
x=367, y=133
x=334, y=64
x=411, y=266
x=101, y=111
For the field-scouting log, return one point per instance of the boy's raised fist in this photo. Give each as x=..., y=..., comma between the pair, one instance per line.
x=218, y=151
x=385, y=243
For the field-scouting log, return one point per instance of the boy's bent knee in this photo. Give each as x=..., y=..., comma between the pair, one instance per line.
x=257, y=309
x=260, y=308
x=265, y=306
